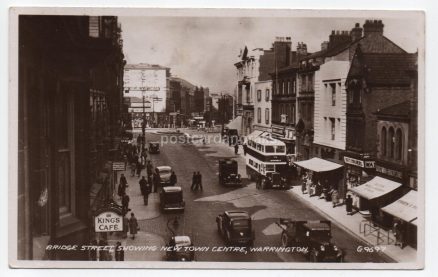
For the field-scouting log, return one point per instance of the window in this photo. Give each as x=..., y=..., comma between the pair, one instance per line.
x=333, y=91
x=333, y=128
x=280, y=149
x=259, y=115
x=267, y=116
x=267, y=95
x=399, y=145
x=269, y=149
x=270, y=167
x=391, y=142
x=288, y=87
x=350, y=96
x=259, y=95
x=383, y=142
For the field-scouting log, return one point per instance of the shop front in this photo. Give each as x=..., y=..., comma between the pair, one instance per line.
x=405, y=211
x=369, y=197
x=359, y=169
x=326, y=173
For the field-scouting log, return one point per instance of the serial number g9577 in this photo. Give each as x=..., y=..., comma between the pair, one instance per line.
x=370, y=249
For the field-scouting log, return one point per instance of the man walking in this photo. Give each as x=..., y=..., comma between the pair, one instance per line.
x=199, y=181
x=156, y=179
x=194, y=179
x=173, y=179
x=133, y=226
x=245, y=147
x=236, y=148
x=119, y=253
x=145, y=190
x=125, y=203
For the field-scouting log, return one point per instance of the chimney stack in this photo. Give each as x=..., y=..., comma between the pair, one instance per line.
x=356, y=32
x=301, y=49
x=338, y=38
x=373, y=27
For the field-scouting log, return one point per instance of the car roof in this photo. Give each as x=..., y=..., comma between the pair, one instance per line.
x=182, y=240
x=164, y=167
x=317, y=226
x=172, y=189
x=237, y=214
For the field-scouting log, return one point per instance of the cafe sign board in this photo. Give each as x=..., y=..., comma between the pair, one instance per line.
x=108, y=221
x=119, y=166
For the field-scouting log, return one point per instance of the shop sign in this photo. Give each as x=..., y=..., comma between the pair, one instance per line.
x=353, y=161
x=108, y=221
x=370, y=164
x=389, y=172
x=119, y=166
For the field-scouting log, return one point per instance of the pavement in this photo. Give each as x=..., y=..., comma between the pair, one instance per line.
x=354, y=224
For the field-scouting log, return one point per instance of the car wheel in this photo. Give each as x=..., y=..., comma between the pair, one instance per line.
x=284, y=240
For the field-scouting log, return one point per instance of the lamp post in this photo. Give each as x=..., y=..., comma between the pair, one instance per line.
x=143, y=126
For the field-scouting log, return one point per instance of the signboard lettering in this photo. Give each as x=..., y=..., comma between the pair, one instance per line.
x=108, y=222
x=353, y=161
x=389, y=172
x=119, y=166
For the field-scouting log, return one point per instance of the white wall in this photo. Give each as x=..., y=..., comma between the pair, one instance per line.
x=152, y=80
x=263, y=104
x=331, y=72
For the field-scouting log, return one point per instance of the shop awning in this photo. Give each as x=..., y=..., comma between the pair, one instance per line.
x=318, y=165
x=375, y=188
x=404, y=208
x=235, y=124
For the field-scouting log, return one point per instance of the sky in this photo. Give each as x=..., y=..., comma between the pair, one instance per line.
x=203, y=50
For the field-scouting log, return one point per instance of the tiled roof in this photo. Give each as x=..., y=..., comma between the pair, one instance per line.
x=388, y=69
x=400, y=109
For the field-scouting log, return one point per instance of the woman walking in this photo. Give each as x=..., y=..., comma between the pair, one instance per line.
x=133, y=226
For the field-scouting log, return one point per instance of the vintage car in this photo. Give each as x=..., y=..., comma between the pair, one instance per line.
x=180, y=249
x=165, y=171
x=171, y=199
x=236, y=227
x=273, y=180
x=314, y=235
x=154, y=147
x=228, y=173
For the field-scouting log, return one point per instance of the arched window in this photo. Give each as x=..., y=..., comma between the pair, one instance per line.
x=391, y=140
x=383, y=142
x=399, y=144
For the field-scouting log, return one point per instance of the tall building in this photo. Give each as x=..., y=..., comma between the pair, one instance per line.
x=70, y=100
x=148, y=81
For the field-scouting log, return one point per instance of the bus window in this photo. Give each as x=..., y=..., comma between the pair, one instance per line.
x=269, y=149
x=281, y=149
x=258, y=146
x=270, y=167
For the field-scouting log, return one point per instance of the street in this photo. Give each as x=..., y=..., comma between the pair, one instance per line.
x=202, y=207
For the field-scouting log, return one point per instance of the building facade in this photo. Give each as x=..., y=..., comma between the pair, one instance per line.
x=262, y=106
x=70, y=101
x=148, y=82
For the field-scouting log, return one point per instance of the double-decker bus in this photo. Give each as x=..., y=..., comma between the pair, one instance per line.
x=266, y=161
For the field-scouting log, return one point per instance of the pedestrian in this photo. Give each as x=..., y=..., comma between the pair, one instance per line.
x=125, y=227
x=92, y=253
x=194, y=180
x=308, y=185
x=398, y=233
x=149, y=168
x=119, y=253
x=173, y=179
x=103, y=252
x=139, y=166
x=349, y=204
x=133, y=165
x=156, y=180
x=335, y=198
x=145, y=190
x=236, y=148
x=303, y=186
x=199, y=181
x=125, y=203
x=121, y=190
x=123, y=180
x=133, y=226
x=245, y=147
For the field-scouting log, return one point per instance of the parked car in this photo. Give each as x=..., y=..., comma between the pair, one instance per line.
x=180, y=249
x=165, y=171
x=315, y=235
x=171, y=199
x=236, y=227
x=154, y=147
x=228, y=173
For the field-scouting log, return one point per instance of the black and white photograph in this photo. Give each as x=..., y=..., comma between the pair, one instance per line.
x=215, y=138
